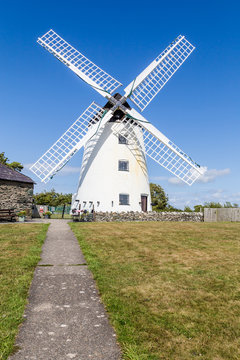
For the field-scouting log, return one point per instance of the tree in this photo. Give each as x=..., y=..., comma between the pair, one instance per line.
x=187, y=209
x=64, y=199
x=16, y=166
x=212, y=205
x=215, y=205
x=13, y=165
x=198, y=208
x=52, y=198
x=158, y=197
x=172, y=208
x=228, y=204
x=3, y=159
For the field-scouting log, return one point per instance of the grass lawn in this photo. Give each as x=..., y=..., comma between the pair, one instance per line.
x=20, y=247
x=172, y=290
x=59, y=216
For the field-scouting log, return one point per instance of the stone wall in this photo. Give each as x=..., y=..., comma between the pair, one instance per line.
x=16, y=195
x=149, y=216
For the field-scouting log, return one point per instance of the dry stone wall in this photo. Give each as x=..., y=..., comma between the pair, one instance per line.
x=16, y=195
x=149, y=216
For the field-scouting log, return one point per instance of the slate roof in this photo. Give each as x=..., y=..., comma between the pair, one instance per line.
x=7, y=173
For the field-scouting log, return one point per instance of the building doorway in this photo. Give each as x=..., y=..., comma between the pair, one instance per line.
x=144, y=203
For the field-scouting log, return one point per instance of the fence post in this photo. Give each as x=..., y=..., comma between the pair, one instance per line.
x=63, y=211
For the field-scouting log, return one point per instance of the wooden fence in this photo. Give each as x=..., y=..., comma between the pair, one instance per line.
x=221, y=214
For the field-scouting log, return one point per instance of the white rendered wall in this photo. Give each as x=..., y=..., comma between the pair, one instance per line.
x=101, y=182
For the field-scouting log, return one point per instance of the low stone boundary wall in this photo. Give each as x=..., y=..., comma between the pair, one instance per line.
x=149, y=216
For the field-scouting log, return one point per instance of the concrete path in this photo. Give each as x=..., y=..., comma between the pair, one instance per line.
x=64, y=318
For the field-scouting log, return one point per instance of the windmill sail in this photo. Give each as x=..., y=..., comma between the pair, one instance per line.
x=158, y=147
x=151, y=80
x=79, y=64
x=142, y=137
x=82, y=130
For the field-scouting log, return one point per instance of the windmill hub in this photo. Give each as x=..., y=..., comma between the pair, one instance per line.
x=117, y=115
x=118, y=105
x=116, y=138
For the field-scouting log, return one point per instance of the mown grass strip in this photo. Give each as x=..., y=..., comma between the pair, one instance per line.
x=171, y=289
x=20, y=248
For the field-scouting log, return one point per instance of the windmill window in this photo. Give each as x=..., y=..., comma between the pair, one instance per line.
x=123, y=165
x=123, y=199
x=122, y=139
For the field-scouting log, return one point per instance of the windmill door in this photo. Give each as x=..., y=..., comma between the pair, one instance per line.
x=144, y=202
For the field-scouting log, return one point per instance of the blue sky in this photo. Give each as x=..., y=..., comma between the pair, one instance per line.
x=198, y=109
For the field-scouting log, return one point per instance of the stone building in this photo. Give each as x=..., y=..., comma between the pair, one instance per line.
x=16, y=190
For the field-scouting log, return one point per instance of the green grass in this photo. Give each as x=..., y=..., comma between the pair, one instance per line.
x=59, y=216
x=171, y=289
x=20, y=248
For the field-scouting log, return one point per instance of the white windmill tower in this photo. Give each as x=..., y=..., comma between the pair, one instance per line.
x=116, y=138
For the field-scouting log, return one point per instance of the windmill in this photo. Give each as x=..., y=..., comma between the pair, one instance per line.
x=116, y=137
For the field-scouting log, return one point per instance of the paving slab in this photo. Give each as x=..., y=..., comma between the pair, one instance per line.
x=61, y=246
x=65, y=318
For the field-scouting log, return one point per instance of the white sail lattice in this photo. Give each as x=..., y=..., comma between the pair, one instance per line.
x=148, y=84
x=143, y=138
x=82, y=66
x=159, y=148
x=70, y=142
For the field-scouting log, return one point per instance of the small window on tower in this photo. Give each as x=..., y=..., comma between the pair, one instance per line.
x=122, y=139
x=123, y=165
x=123, y=199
